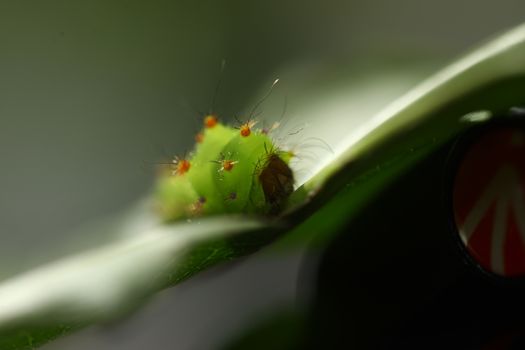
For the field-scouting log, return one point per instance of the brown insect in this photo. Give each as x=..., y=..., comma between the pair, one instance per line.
x=276, y=179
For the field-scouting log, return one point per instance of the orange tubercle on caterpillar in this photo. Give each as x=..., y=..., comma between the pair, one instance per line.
x=246, y=128
x=245, y=131
x=228, y=164
x=182, y=166
x=210, y=121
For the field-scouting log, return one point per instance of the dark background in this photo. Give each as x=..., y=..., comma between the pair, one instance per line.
x=91, y=92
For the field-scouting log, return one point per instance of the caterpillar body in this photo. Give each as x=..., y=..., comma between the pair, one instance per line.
x=232, y=170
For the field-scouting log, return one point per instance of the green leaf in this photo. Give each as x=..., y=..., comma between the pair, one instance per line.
x=104, y=283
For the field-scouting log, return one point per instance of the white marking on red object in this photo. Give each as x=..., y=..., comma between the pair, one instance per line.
x=489, y=201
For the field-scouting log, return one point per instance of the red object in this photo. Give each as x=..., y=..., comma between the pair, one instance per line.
x=489, y=201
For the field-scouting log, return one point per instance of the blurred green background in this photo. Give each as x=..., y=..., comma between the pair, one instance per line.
x=92, y=93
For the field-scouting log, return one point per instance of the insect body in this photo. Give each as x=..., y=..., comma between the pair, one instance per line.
x=230, y=171
x=276, y=179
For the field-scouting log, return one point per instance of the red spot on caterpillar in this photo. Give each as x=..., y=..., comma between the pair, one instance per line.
x=246, y=128
x=228, y=164
x=210, y=121
x=245, y=131
x=182, y=166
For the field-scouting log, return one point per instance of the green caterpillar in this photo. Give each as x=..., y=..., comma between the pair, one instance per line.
x=232, y=170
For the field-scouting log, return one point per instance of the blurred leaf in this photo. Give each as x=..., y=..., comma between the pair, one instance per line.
x=104, y=283
x=279, y=331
